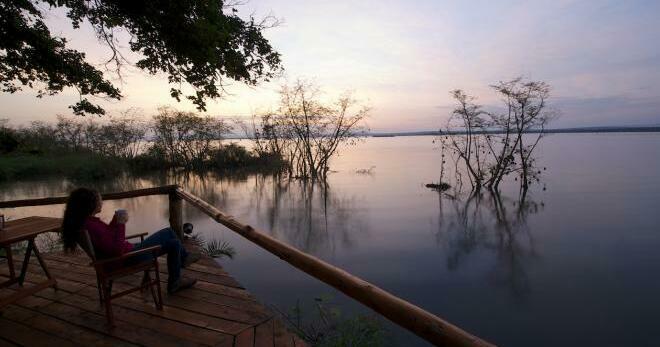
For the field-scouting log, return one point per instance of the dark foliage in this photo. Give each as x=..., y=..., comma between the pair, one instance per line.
x=199, y=42
x=8, y=141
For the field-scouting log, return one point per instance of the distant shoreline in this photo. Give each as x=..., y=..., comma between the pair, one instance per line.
x=641, y=129
x=583, y=130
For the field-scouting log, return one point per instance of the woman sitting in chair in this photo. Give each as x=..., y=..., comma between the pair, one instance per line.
x=109, y=240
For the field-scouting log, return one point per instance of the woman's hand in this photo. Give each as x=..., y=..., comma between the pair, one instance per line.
x=121, y=216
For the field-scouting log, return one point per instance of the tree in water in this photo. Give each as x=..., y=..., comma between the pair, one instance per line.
x=489, y=146
x=201, y=43
x=307, y=131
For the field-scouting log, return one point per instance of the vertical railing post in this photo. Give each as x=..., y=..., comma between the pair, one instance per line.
x=176, y=214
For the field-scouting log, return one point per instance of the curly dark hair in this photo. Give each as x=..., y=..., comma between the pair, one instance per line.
x=81, y=204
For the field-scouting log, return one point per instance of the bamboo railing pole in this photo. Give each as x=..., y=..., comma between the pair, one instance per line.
x=107, y=196
x=417, y=320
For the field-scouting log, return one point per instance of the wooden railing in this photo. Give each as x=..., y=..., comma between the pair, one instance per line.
x=413, y=318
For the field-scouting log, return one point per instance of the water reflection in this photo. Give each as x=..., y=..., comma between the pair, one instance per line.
x=307, y=215
x=486, y=222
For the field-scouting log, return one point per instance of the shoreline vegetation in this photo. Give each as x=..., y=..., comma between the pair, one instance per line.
x=90, y=149
x=298, y=140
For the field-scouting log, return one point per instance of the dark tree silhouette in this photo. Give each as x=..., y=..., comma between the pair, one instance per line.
x=493, y=145
x=307, y=131
x=200, y=42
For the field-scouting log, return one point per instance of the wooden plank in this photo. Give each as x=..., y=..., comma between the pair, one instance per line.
x=82, y=274
x=64, y=284
x=174, y=329
x=172, y=313
x=232, y=295
x=298, y=342
x=224, y=300
x=136, y=302
x=166, y=328
x=224, y=290
x=61, y=328
x=263, y=336
x=80, y=258
x=24, y=335
x=123, y=330
x=202, y=315
x=6, y=343
x=65, y=271
x=251, y=307
x=25, y=292
x=245, y=338
x=281, y=337
x=201, y=276
x=214, y=310
x=216, y=270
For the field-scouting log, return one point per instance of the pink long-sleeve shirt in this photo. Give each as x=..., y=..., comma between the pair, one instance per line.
x=108, y=239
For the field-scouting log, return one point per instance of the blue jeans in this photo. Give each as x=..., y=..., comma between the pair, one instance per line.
x=170, y=245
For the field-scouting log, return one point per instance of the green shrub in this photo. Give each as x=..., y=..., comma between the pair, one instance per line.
x=234, y=156
x=231, y=156
x=8, y=142
x=152, y=159
x=80, y=165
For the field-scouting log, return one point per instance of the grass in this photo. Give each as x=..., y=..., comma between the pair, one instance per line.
x=323, y=325
x=76, y=165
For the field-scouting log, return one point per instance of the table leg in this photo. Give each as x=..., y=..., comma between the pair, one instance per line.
x=26, y=261
x=43, y=265
x=10, y=263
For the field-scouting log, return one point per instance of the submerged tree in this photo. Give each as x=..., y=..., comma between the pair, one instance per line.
x=468, y=145
x=493, y=145
x=201, y=43
x=307, y=131
x=526, y=114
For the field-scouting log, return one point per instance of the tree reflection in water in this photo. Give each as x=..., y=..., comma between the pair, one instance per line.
x=488, y=223
x=306, y=214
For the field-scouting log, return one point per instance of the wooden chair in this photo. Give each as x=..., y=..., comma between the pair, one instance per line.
x=110, y=269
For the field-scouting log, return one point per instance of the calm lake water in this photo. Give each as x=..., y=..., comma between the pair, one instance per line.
x=576, y=265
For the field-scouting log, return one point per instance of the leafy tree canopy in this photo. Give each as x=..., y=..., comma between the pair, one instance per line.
x=199, y=42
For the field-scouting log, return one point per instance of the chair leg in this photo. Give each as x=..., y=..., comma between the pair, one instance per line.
x=107, y=290
x=144, y=284
x=150, y=283
x=159, y=305
x=100, y=288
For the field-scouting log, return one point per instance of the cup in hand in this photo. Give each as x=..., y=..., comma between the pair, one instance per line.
x=121, y=215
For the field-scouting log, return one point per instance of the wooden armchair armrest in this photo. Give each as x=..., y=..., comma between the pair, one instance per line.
x=140, y=235
x=128, y=255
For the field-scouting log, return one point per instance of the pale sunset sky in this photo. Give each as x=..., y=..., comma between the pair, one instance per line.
x=401, y=58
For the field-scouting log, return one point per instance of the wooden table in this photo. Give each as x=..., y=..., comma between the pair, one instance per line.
x=26, y=229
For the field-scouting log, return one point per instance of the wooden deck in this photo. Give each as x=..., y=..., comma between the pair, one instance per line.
x=218, y=311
